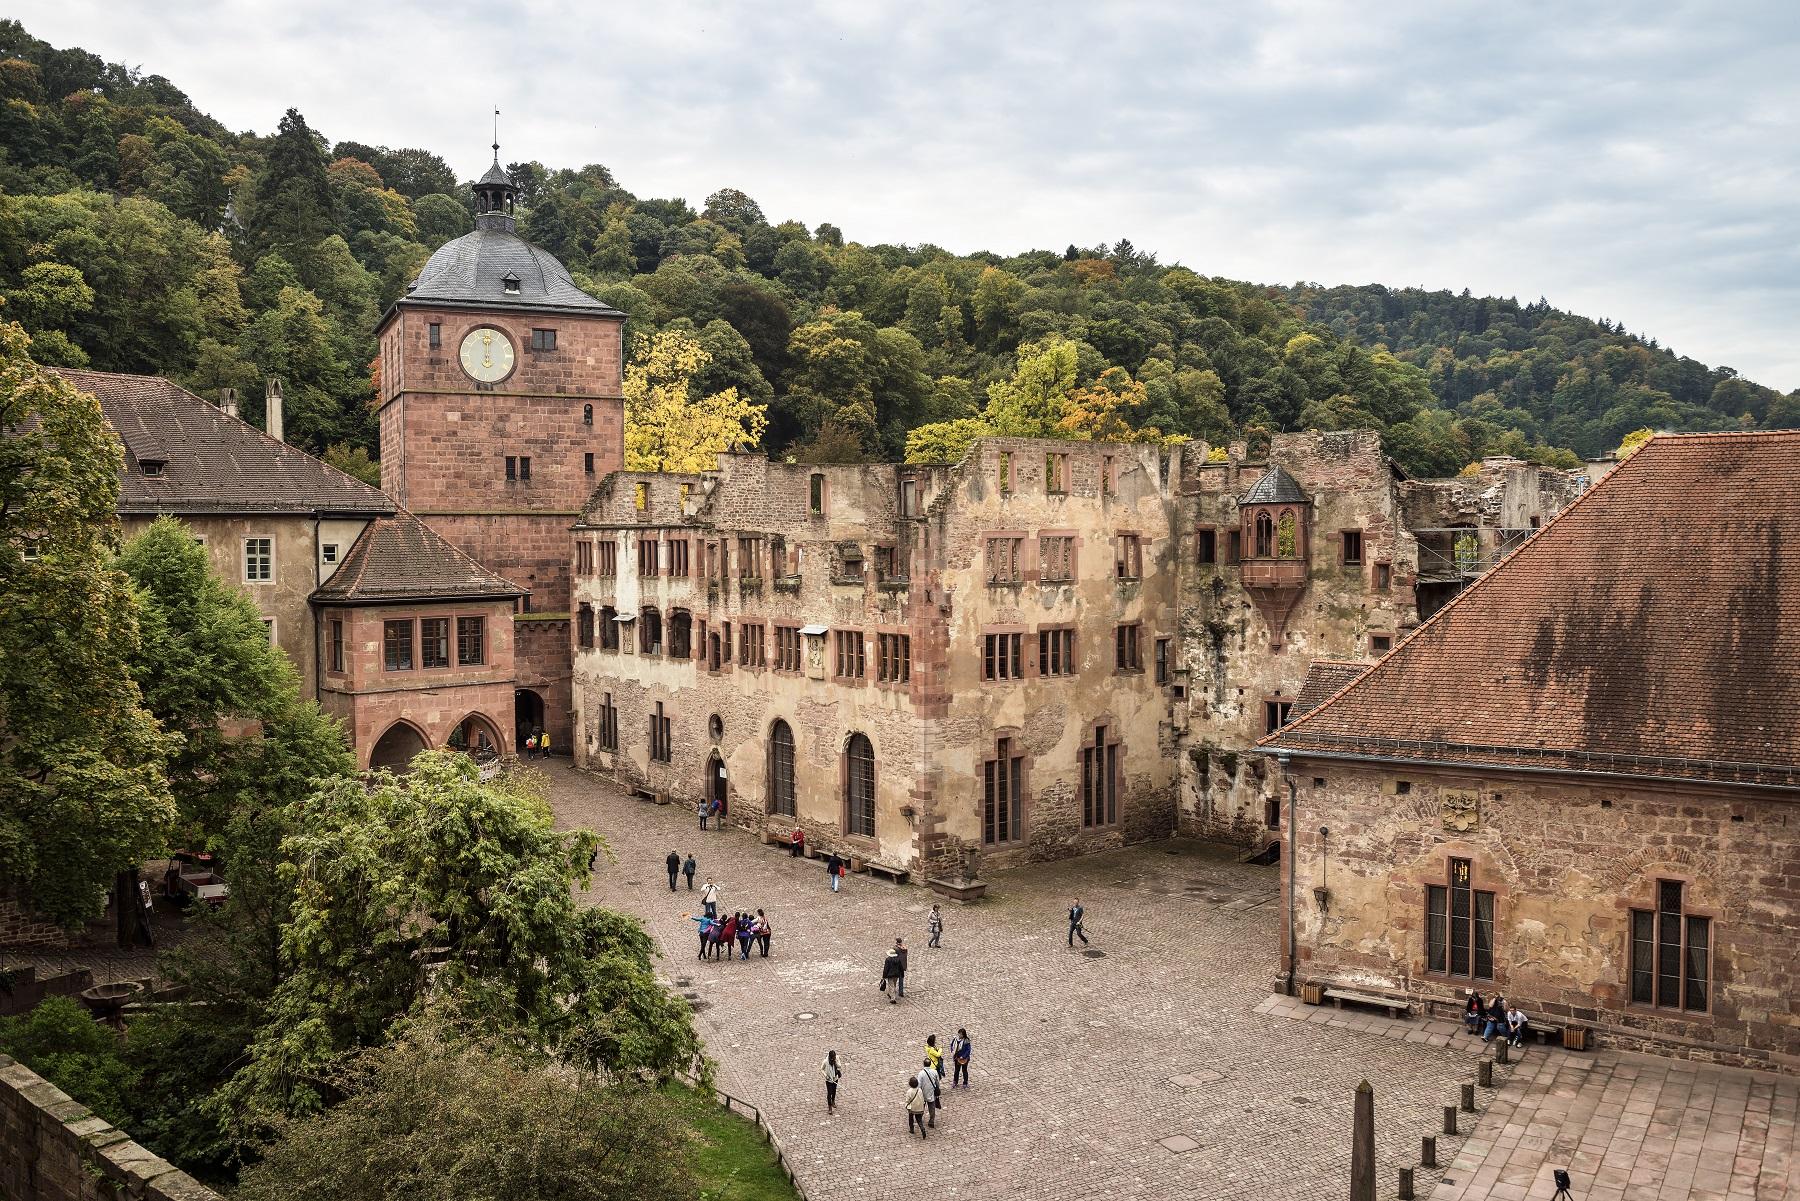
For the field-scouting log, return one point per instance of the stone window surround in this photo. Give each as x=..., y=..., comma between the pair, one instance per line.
x=1343, y=548
x=244, y=563
x=1089, y=729
x=892, y=632
x=1482, y=870
x=418, y=647
x=799, y=667
x=1025, y=568
x=1275, y=698
x=844, y=787
x=1016, y=735
x=1134, y=561
x=1026, y=668
x=1137, y=643
x=1642, y=895
x=1036, y=569
x=790, y=806
x=1073, y=664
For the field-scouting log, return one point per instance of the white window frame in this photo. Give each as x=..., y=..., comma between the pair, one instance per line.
x=248, y=539
x=269, y=625
x=328, y=553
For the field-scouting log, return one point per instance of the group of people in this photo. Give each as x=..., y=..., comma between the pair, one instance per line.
x=710, y=809
x=1496, y=1018
x=717, y=934
x=537, y=744
x=925, y=1087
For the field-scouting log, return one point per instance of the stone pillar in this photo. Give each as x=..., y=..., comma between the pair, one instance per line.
x=1362, y=1146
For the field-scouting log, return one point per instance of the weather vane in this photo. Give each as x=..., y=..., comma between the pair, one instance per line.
x=496, y=135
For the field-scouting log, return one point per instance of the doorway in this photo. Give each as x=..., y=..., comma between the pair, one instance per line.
x=528, y=715
x=715, y=782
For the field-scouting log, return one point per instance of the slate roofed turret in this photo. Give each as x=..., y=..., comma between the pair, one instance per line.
x=1276, y=487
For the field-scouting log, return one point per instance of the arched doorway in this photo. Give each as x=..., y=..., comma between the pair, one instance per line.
x=476, y=736
x=528, y=715
x=715, y=782
x=395, y=749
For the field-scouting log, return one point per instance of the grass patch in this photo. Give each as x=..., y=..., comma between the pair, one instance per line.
x=730, y=1156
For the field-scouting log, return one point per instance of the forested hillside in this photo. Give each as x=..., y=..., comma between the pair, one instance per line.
x=138, y=234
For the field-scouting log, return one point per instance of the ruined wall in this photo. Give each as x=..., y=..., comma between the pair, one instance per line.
x=22, y=926
x=1567, y=862
x=1234, y=662
x=53, y=1148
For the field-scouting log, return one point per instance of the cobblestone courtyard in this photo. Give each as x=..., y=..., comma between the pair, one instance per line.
x=1083, y=1064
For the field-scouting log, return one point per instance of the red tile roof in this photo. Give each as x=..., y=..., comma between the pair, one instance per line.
x=1325, y=678
x=400, y=558
x=1652, y=628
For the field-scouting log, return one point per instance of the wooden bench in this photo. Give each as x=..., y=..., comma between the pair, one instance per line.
x=898, y=875
x=1395, y=1007
x=1546, y=1032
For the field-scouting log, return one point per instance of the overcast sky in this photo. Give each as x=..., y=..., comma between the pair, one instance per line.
x=1633, y=161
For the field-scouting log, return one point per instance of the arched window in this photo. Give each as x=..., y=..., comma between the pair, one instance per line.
x=859, y=786
x=781, y=769
x=1265, y=536
x=1287, y=540
x=587, y=414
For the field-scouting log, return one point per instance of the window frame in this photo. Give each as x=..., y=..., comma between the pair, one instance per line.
x=1002, y=655
x=438, y=640
x=398, y=654
x=609, y=723
x=850, y=661
x=1003, y=793
x=893, y=658
x=787, y=649
x=1206, y=546
x=1441, y=905
x=1056, y=645
x=543, y=339
x=1128, y=555
x=1352, y=551
x=477, y=622
x=266, y=558
x=335, y=646
x=1686, y=920
x=662, y=735
x=1060, y=557
x=1099, y=763
x=1279, y=710
x=1128, y=636
x=782, y=792
x=859, y=769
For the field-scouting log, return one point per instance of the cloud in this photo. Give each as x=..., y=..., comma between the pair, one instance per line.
x=1634, y=162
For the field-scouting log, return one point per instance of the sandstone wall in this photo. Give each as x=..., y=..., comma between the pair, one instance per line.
x=53, y=1149
x=1567, y=863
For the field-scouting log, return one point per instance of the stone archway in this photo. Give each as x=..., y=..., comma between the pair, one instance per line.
x=478, y=736
x=528, y=716
x=716, y=791
x=396, y=747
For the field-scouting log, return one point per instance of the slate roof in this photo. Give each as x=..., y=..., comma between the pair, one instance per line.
x=1326, y=678
x=212, y=463
x=1651, y=629
x=1276, y=487
x=495, y=175
x=400, y=558
x=470, y=270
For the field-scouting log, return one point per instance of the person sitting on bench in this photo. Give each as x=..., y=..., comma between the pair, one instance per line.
x=1474, y=1012
x=1515, y=1025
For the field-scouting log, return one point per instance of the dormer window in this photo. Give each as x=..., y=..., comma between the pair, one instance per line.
x=152, y=467
x=510, y=282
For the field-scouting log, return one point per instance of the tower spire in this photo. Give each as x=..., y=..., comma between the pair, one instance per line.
x=496, y=137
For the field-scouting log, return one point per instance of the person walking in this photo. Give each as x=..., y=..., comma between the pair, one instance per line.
x=900, y=950
x=934, y=924
x=928, y=1084
x=834, y=1072
x=544, y=744
x=703, y=811
x=915, y=1106
x=673, y=862
x=763, y=931
x=531, y=746
x=890, y=974
x=1077, y=915
x=834, y=867
x=709, y=898
x=688, y=868
x=960, y=1049
x=797, y=847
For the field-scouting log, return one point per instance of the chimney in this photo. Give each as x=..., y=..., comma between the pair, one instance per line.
x=228, y=401
x=272, y=409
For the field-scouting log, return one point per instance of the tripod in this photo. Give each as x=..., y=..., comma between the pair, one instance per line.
x=1561, y=1176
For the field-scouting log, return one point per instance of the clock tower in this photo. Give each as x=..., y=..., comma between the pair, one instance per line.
x=501, y=408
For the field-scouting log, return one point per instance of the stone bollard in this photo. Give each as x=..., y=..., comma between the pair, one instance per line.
x=1500, y=1052
x=1484, y=1073
x=1428, y=1151
x=1468, y=1098
x=1449, y=1119
x=1406, y=1184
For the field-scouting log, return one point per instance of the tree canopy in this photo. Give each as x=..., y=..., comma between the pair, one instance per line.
x=138, y=234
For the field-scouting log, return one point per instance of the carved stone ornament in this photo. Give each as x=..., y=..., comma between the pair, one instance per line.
x=1461, y=810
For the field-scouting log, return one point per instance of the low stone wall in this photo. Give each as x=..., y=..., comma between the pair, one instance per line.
x=21, y=926
x=53, y=1149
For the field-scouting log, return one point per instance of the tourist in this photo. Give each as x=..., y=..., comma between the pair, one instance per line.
x=1474, y=1011
x=746, y=934
x=717, y=812
x=900, y=950
x=706, y=931
x=674, y=865
x=928, y=1084
x=763, y=931
x=960, y=1050
x=688, y=868
x=709, y=898
x=1076, y=916
x=797, y=847
x=934, y=924
x=890, y=972
x=544, y=744
x=1515, y=1025
x=1496, y=1018
x=833, y=1074
x=728, y=934
x=531, y=746
x=834, y=868
x=703, y=811
x=935, y=1054
x=915, y=1106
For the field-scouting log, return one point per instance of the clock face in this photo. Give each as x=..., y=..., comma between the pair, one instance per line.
x=487, y=355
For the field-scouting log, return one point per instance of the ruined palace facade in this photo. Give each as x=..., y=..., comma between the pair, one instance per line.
x=1047, y=648
x=909, y=662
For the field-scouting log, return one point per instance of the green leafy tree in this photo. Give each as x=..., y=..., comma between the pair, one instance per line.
x=438, y=885
x=435, y=1119
x=60, y=1041
x=80, y=755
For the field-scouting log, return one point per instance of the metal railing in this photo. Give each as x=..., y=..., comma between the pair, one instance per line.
x=738, y=1105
